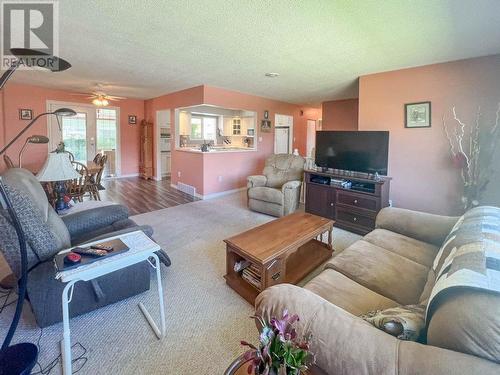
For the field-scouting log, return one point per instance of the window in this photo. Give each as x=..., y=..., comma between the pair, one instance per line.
x=196, y=124
x=106, y=129
x=204, y=127
x=74, y=135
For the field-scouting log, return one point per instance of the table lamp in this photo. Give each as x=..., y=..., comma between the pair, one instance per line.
x=58, y=168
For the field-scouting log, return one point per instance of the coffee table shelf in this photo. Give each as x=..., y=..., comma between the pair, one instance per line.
x=284, y=251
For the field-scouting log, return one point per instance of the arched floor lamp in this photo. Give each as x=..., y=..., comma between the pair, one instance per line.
x=21, y=358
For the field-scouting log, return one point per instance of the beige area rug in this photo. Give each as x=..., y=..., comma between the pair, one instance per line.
x=205, y=318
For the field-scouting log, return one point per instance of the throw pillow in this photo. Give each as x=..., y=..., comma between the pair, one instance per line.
x=404, y=322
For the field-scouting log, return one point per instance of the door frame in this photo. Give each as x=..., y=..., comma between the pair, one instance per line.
x=50, y=119
x=290, y=131
x=307, y=136
x=158, y=176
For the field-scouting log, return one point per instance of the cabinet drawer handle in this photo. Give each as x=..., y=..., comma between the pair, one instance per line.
x=355, y=201
x=331, y=204
x=354, y=219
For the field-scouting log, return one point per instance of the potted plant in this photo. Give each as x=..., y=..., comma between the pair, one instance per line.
x=280, y=351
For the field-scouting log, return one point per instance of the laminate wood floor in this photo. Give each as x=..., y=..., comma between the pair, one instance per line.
x=142, y=196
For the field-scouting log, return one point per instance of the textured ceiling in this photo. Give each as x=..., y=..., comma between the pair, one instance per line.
x=144, y=49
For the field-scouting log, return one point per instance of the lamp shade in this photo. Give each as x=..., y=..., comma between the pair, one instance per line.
x=57, y=167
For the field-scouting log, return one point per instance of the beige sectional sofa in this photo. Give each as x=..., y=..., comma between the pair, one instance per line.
x=391, y=266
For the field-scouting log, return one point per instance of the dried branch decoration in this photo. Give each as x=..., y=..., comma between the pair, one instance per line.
x=474, y=161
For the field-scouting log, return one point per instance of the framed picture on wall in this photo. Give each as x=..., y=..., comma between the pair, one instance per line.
x=25, y=114
x=265, y=126
x=132, y=119
x=418, y=115
x=266, y=114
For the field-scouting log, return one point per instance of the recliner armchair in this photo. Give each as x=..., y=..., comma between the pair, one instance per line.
x=277, y=191
x=47, y=234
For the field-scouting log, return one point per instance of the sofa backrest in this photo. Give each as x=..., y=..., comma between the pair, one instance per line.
x=464, y=299
x=24, y=181
x=281, y=168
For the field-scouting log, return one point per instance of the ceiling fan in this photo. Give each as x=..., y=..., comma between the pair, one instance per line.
x=100, y=98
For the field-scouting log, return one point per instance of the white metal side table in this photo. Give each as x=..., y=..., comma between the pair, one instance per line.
x=141, y=248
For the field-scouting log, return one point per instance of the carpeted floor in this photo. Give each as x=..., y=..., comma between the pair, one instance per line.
x=205, y=319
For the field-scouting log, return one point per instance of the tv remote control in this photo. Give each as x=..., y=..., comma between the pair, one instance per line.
x=90, y=252
x=102, y=247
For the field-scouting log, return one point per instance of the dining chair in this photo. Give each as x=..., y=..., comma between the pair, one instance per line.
x=102, y=163
x=78, y=187
x=97, y=158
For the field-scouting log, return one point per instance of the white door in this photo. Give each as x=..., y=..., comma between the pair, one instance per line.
x=93, y=130
x=77, y=132
x=311, y=137
x=282, y=140
x=283, y=134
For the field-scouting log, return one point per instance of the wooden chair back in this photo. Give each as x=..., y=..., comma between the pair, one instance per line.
x=78, y=187
x=8, y=161
x=71, y=156
x=97, y=158
x=102, y=163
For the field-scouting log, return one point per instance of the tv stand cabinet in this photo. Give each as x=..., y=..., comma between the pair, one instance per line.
x=353, y=209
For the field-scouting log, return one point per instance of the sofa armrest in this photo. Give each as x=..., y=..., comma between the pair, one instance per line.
x=338, y=338
x=419, y=225
x=291, y=185
x=256, y=181
x=346, y=344
x=82, y=222
x=291, y=196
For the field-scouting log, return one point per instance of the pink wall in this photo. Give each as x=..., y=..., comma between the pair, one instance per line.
x=203, y=170
x=16, y=96
x=236, y=167
x=191, y=164
x=340, y=114
x=419, y=159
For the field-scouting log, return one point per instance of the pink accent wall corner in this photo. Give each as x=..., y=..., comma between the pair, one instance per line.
x=340, y=114
x=419, y=159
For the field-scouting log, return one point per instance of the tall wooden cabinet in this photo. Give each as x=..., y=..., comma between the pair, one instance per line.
x=146, y=155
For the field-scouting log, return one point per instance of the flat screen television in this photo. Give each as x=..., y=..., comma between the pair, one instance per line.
x=359, y=151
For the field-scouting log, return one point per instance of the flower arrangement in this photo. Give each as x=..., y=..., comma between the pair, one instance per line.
x=472, y=148
x=280, y=352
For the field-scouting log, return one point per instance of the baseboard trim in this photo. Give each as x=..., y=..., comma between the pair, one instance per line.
x=123, y=176
x=220, y=194
x=213, y=195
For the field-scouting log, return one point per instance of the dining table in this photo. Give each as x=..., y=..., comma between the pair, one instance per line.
x=92, y=167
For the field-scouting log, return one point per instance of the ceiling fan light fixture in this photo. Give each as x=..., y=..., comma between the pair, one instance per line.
x=100, y=102
x=272, y=75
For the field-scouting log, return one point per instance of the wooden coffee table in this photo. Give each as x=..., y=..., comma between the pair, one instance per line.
x=282, y=251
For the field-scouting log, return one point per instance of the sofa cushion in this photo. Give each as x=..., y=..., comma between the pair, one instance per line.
x=266, y=194
x=382, y=271
x=346, y=293
x=418, y=251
